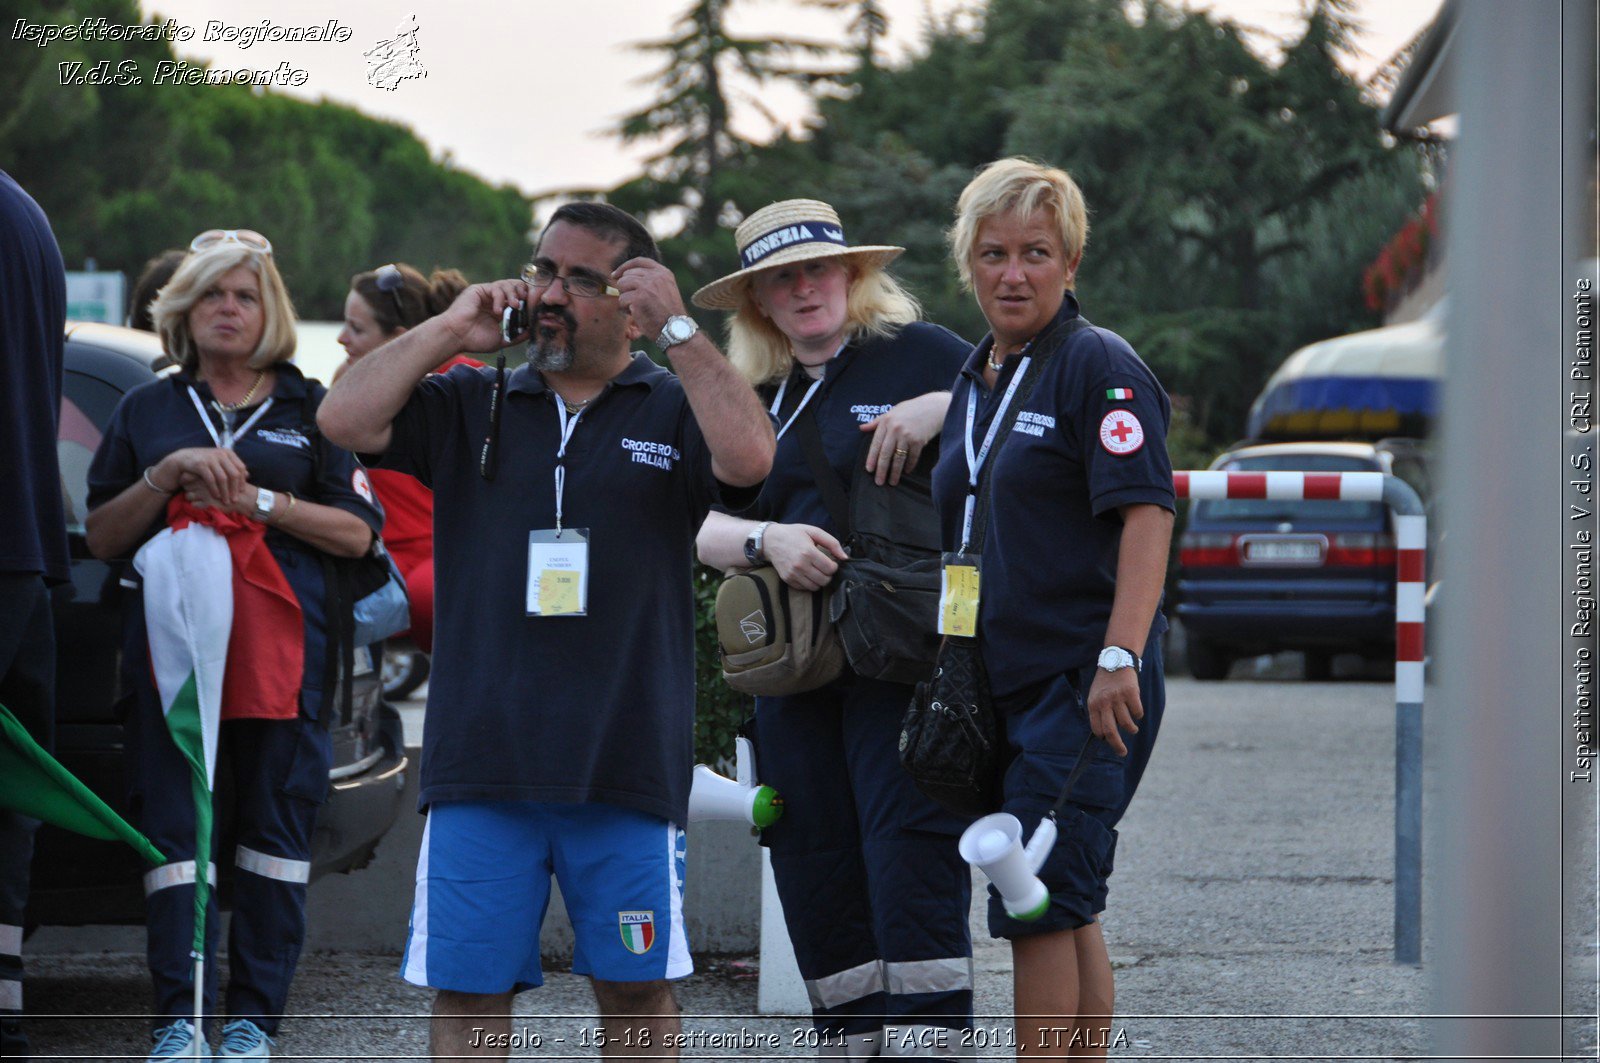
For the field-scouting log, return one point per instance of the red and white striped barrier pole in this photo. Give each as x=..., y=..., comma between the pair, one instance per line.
x=1411, y=541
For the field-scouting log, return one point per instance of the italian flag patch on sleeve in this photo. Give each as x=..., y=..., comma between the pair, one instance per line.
x=1119, y=393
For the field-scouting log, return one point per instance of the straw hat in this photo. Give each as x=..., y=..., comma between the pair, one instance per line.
x=795, y=230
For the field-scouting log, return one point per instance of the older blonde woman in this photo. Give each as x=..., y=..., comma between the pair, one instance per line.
x=228, y=440
x=1069, y=615
x=873, y=891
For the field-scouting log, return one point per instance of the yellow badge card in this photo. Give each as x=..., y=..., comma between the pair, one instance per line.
x=558, y=572
x=958, y=597
x=558, y=593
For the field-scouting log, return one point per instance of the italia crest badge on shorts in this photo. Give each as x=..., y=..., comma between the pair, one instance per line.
x=638, y=931
x=360, y=484
x=1121, y=432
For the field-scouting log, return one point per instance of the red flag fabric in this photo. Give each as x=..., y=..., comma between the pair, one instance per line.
x=266, y=648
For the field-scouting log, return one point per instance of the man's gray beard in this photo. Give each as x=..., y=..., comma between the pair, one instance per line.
x=550, y=357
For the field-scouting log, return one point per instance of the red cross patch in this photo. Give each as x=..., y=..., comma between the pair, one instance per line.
x=360, y=484
x=1121, y=432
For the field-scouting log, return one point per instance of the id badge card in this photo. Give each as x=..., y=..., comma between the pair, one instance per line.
x=958, y=594
x=558, y=572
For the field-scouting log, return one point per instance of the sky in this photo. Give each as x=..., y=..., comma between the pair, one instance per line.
x=523, y=93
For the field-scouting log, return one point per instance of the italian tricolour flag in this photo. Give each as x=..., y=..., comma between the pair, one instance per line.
x=188, y=610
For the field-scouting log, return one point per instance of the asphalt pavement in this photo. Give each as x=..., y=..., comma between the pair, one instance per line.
x=1250, y=916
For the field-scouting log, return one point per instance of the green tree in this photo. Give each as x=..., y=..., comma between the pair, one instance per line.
x=700, y=63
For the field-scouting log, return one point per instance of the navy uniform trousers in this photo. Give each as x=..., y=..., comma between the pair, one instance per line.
x=874, y=892
x=27, y=688
x=271, y=776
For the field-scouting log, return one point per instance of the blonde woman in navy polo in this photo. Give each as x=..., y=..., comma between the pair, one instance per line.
x=1073, y=564
x=874, y=892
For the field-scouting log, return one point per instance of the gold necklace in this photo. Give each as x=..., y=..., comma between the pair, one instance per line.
x=574, y=407
x=229, y=407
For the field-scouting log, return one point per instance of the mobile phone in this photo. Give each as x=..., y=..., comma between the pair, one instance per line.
x=514, y=323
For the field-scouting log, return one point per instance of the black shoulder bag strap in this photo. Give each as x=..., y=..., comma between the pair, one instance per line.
x=980, y=524
x=828, y=482
x=338, y=601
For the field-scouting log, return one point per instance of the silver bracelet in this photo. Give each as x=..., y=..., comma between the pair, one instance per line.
x=152, y=484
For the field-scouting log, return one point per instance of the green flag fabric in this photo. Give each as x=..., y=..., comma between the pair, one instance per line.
x=35, y=784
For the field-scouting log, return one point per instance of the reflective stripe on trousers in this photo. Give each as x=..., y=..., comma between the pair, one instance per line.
x=902, y=977
x=177, y=874
x=950, y=975
x=10, y=963
x=297, y=872
x=844, y=986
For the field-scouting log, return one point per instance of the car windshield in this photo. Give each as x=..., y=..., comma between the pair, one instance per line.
x=1293, y=511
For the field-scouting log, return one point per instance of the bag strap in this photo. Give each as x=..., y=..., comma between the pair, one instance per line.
x=829, y=485
x=980, y=515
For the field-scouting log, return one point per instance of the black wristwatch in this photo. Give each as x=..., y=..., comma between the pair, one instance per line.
x=753, y=542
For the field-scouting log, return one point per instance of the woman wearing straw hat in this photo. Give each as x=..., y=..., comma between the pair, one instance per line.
x=874, y=892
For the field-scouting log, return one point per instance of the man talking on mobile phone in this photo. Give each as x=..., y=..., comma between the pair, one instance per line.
x=559, y=736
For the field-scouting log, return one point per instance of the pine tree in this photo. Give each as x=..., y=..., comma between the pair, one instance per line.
x=701, y=62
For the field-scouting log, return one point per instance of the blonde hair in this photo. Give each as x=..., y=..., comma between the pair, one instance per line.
x=1021, y=186
x=201, y=270
x=875, y=305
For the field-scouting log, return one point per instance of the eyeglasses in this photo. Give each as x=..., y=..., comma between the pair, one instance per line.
x=248, y=238
x=584, y=287
x=390, y=280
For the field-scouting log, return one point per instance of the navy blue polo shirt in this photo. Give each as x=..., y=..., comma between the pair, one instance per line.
x=866, y=380
x=592, y=708
x=157, y=418
x=33, y=310
x=1091, y=438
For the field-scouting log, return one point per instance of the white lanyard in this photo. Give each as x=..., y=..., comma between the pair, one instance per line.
x=975, y=461
x=567, y=428
x=228, y=437
x=777, y=401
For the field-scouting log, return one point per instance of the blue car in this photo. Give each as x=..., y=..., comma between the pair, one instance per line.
x=1259, y=576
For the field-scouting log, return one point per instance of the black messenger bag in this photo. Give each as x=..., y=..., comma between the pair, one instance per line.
x=884, y=601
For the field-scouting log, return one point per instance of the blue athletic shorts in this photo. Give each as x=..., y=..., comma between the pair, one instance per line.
x=483, y=884
x=1044, y=730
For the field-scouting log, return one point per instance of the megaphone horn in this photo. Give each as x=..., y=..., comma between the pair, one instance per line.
x=994, y=845
x=717, y=797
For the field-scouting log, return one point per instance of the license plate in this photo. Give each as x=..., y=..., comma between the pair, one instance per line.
x=1283, y=551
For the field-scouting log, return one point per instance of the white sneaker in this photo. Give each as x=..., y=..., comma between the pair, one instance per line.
x=177, y=1041
x=243, y=1039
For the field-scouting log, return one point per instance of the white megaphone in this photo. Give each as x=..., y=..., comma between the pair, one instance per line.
x=994, y=845
x=740, y=799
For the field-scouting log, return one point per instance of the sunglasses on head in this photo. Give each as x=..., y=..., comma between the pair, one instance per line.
x=247, y=238
x=389, y=279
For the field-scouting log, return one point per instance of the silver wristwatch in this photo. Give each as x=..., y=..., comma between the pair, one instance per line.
x=754, y=543
x=1116, y=658
x=678, y=329
x=265, y=500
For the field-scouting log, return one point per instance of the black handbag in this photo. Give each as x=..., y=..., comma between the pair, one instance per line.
x=884, y=600
x=950, y=737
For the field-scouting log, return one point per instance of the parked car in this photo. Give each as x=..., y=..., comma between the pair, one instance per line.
x=1259, y=576
x=78, y=880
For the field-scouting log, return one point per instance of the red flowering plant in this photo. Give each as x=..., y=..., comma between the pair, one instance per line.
x=1403, y=260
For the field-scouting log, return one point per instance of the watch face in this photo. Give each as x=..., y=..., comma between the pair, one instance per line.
x=679, y=329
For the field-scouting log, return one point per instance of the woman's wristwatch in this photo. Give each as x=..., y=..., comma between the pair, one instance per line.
x=266, y=501
x=753, y=543
x=1116, y=658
